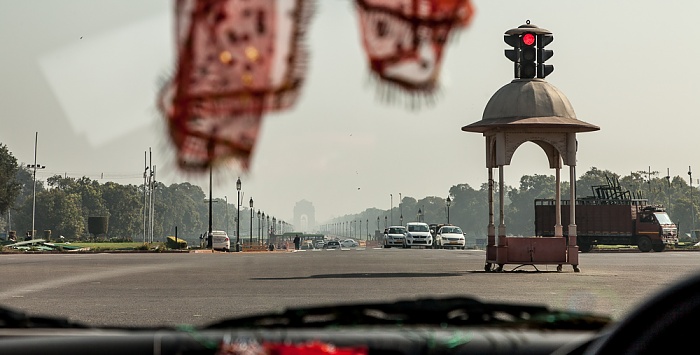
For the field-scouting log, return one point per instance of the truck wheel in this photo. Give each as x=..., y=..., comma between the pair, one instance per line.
x=585, y=247
x=644, y=244
x=659, y=247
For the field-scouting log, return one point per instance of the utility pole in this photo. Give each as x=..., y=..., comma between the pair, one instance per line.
x=692, y=202
x=145, y=172
x=34, y=166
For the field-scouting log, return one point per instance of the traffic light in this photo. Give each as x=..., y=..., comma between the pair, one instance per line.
x=543, y=54
x=523, y=54
x=529, y=54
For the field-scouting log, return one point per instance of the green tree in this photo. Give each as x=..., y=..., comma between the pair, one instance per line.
x=124, y=205
x=469, y=209
x=520, y=212
x=9, y=186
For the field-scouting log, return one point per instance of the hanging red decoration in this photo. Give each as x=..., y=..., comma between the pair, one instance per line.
x=236, y=61
x=404, y=41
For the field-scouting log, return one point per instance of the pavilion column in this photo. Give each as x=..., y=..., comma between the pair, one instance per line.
x=491, y=226
x=558, y=229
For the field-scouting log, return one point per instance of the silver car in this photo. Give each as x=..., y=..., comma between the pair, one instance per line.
x=394, y=235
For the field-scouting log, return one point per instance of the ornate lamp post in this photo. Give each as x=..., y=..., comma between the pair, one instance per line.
x=262, y=229
x=250, y=203
x=259, y=238
x=448, y=202
x=273, y=229
x=268, y=228
x=400, y=210
x=238, y=216
x=420, y=215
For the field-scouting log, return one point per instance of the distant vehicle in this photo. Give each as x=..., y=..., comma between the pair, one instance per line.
x=333, y=244
x=393, y=236
x=450, y=237
x=349, y=243
x=418, y=234
x=220, y=241
x=319, y=244
x=307, y=245
x=610, y=217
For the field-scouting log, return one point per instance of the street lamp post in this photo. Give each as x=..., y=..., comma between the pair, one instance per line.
x=263, y=228
x=400, y=210
x=448, y=202
x=226, y=215
x=391, y=209
x=268, y=228
x=259, y=239
x=34, y=166
x=420, y=215
x=238, y=215
x=385, y=225
x=251, y=220
x=273, y=229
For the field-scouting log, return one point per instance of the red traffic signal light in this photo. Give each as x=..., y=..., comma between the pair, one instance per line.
x=528, y=54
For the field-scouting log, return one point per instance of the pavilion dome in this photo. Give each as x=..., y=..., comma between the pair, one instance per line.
x=529, y=102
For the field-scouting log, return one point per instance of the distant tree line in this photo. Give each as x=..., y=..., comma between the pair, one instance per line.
x=469, y=206
x=64, y=205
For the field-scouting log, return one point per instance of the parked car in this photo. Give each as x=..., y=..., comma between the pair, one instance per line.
x=418, y=234
x=333, y=244
x=450, y=237
x=220, y=241
x=349, y=243
x=393, y=236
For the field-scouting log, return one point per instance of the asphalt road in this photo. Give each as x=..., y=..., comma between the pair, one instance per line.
x=199, y=288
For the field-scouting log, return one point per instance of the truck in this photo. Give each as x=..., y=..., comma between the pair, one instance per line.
x=610, y=217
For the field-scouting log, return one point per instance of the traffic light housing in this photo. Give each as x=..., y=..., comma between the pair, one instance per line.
x=523, y=54
x=528, y=53
x=528, y=56
x=543, y=54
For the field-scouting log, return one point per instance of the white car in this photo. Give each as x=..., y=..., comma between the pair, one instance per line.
x=393, y=236
x=418, y=234
x=220, y=241
x=450, y=237
x=349, y=243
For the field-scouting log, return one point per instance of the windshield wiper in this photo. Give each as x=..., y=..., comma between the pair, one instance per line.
x=10, y=318
x=444, y=312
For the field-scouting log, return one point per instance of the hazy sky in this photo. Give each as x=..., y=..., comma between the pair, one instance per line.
x=84, y=74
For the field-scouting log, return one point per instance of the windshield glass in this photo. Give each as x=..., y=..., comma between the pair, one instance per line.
x=452, y=230
x=417, y=228
x=129, y=129
x=663, y=218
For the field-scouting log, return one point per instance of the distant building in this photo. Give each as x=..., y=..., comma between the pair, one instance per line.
x=304, y=216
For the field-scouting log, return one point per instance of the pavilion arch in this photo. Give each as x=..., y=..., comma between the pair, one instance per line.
x=530, y=110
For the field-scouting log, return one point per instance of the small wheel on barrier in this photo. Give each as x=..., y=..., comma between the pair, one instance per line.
x=559, y=268
x=576, y=269
x=499, y=268
x=487, y=267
